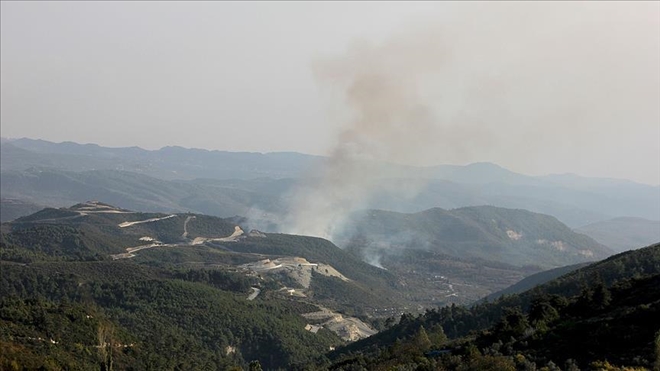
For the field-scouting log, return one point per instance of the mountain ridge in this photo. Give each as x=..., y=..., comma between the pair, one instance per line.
x=463, y=171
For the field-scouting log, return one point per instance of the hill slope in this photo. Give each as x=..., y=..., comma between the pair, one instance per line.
x=534, y=280
x=11, y=209
x=574, y=200
x=515, y=237
x=623, y=234
x=609, y=310
x=95, y=231
x=176, y=287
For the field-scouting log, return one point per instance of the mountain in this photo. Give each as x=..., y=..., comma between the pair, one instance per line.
x=576, y=201
x=534, y=280
x=623, y=234
x=11, y=209
x=605, y=312
x=166, y=163
x=98, y=286
x=448, y=268
x=516, y=237
x=481, y=173
x=462, y=255
x=139, y=192
x=96, y=231
x=172, y=287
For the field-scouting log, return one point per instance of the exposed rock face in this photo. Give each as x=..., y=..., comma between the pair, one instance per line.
x=295, y=267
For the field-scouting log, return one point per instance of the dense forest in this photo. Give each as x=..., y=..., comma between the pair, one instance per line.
x=61, y=317
x=69, y=303
x=603, y=315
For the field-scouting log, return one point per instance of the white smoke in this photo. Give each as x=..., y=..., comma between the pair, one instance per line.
x=435, y=94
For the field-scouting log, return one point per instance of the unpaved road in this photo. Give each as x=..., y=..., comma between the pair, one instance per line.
x=233, y=237
x=254, y=293
x=128, y=224
x=130, y=251
x=185, y=226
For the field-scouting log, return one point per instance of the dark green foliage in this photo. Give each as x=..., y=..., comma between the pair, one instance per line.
x=163, y=321
x=222, y=280
x=209, y=226
x=48, y=214
x=52, y=242
x=656, y=366
x=614, y=317
x=349, y=297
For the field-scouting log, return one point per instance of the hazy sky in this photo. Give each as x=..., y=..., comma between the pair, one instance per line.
x=536, y=87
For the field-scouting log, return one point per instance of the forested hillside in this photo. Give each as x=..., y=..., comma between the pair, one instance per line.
x=603, y=314
x=87, y=315
x=516, y=237
x=94, y=286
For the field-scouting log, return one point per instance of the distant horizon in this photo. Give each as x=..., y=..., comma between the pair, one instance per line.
x=538, y=87
x=568, y=173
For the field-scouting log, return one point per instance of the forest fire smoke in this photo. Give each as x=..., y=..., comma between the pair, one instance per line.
x=390, y=124
x=489, y=82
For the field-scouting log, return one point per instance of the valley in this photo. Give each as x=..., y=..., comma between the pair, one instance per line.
x=328, y=299
x=261, y=186
x=386, y=270
x=330, y=186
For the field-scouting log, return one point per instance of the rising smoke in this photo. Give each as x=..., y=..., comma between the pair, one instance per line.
x=491, y=78
x=390, y=124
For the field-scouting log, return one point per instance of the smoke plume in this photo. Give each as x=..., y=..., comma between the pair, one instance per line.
x=491, y=77
x=389, y=124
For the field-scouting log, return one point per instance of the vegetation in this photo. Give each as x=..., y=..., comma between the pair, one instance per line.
x=66, y=304
x=602, y=315
x=164, y=320
x=515, y=237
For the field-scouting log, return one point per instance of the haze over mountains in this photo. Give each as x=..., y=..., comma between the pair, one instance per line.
x=623, y=233
x=476, y=250
x=77, y=278
x=440, y=223
x=416, y=239
x=515, y=237
x=262, y=186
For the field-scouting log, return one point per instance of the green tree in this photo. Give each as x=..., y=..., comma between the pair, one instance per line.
x=656, y=366
x=437, y=335
x=421, y=340
x=254, y=366
x=601, y=297
x=105, y=337
x=541, y=313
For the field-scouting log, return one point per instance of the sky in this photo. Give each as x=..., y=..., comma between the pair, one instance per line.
x=538, y=88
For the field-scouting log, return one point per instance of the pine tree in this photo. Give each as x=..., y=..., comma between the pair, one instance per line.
x=254, y=366
x=437, y=335
x=421, y=340
x=656, y=366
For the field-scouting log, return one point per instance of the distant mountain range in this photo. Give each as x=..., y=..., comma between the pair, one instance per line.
x=254, y=184
x=74, y=274
x=432, y=257
x=623, y=234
